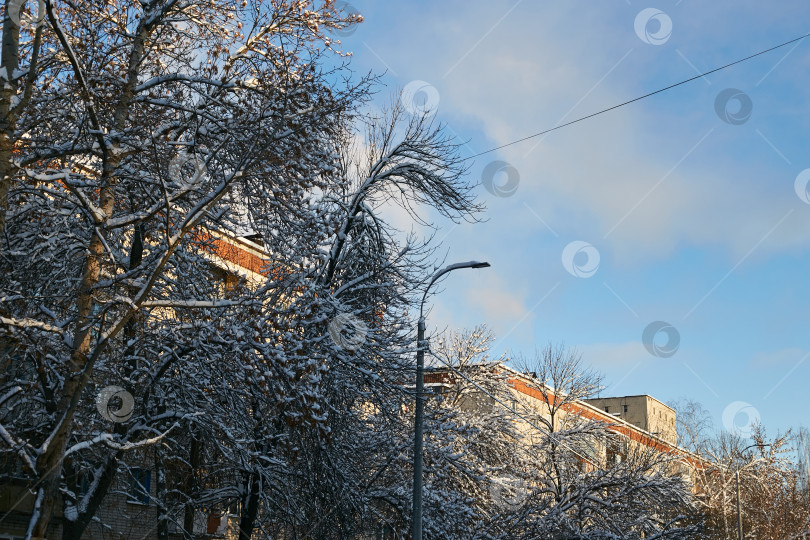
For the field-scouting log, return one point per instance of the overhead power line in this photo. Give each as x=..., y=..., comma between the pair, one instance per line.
x=715, y=70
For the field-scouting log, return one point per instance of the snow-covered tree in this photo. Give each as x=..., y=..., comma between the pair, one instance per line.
x=581, y=479
x=773, y=501
x=501, y=465
x=144, y=133
x=774, y=497
x=126, y=126
x=140, y=139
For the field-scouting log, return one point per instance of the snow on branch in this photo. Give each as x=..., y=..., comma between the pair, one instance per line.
x=31, y=323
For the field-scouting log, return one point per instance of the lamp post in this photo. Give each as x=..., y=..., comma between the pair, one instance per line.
x=739, y=508
x=416, y=524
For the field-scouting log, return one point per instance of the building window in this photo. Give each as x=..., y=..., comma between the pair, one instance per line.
x=84, y=482
x=231, y=283
x=225, y=283
x=607, y=409
x=10, y=467
x=615, y=451
x=140, y=480
x=214, y=522
x=625, y=408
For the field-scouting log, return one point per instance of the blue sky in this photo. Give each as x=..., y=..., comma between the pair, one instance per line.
x=696, y=221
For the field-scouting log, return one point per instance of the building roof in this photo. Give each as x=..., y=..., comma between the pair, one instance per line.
x=635, y=396
x=528, y=385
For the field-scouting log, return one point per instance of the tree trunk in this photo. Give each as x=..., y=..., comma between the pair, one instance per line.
x=160, y=497
x=73, y=530
x=10, y=57
x=82, y=357
x=250, y=507
x=191, y=486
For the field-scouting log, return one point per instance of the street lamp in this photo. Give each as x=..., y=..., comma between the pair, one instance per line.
x=739, y=508
x=416, y=530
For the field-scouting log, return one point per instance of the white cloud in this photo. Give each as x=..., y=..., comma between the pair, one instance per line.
x=604, y=356
x=779, y=358
x=618, y=175
x=486, y=297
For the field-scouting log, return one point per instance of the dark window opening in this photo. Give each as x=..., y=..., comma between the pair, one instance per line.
x=140, y=480
x=255, y=238
x=225, y=282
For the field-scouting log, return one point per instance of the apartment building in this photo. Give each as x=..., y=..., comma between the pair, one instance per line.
x=644, y=412
x=638, y=420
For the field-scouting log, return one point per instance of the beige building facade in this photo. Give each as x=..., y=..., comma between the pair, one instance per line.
x=642, y=411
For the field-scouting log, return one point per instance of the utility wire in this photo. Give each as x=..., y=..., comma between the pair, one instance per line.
x=640, y=97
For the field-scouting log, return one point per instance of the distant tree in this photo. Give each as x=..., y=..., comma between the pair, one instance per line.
x=774, y=504
x=495, y=468
x=801, y=444
x=576, y=491
x=693, y=425
x=473, y=466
